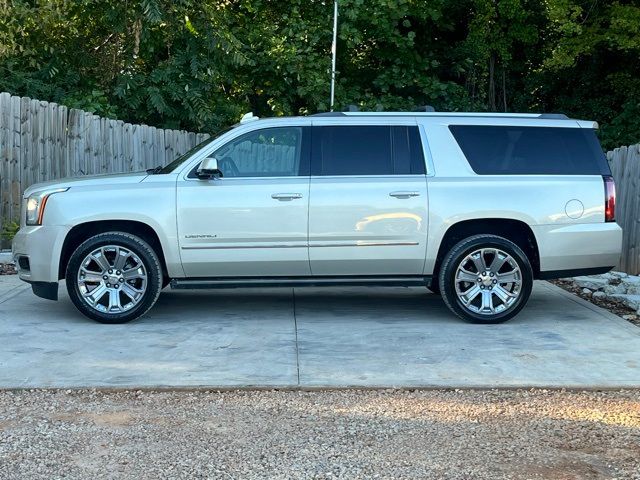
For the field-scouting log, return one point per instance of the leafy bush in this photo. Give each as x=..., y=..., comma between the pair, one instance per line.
x=9, y=230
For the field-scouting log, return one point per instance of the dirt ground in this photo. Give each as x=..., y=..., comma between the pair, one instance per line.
x=326, y=434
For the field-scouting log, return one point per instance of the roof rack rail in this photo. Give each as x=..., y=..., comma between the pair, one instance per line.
x=557, y=116
x=424, y=108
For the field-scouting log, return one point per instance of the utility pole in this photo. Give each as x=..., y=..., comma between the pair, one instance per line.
x=334, y=46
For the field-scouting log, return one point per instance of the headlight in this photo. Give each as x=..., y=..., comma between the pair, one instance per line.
x=36, y=203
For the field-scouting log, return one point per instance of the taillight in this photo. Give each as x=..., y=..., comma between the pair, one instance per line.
x=609, y=199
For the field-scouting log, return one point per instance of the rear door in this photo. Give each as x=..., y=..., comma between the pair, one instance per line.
x=368, y=200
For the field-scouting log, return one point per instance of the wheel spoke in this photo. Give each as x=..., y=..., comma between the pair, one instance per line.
x=91, y=277
x=478, y=261
x=114, y=299
x=130, y=291
x=497, y=262
x=472, y=293
x=510, y=277
x=487, y=301
x=101, y=260
x=503, y=294
x=95, y=295
x=133, y=273
x=466, y=276
x=121, y=258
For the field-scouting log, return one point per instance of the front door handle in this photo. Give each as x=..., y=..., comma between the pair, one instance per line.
x=286, y=196
x=404, y=194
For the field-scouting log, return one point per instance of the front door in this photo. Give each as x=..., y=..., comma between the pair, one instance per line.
x=368, y=201
x=253, y=220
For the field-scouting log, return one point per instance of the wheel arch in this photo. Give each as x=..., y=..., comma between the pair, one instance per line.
x=83, y=231
x=516, y=231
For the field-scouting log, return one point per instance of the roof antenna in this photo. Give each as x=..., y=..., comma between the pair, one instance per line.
x=334, y=47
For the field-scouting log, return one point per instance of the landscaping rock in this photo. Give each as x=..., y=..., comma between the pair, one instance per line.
x=586, y=291
x=617, y=274
x=631, y=301
x=593, y=283
x=599, y=294
x=615, y=289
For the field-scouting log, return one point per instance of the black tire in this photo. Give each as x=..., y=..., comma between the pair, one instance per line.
x=146, y=255
x=459, y=252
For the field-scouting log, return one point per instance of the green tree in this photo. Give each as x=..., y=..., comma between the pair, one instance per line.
x=591, y=67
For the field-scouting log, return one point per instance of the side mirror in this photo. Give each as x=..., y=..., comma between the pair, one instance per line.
x=209, y=169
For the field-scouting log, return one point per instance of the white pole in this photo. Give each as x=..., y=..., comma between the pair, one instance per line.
x=333, y=52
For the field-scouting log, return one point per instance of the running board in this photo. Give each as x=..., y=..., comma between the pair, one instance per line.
x=253, y=282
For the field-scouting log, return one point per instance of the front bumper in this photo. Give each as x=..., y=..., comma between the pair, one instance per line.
x=41, y=245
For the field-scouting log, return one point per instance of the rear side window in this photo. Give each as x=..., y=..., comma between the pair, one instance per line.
x=516, y=150
x=367, y=150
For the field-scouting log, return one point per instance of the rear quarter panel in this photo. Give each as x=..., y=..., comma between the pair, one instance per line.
x=565, y=212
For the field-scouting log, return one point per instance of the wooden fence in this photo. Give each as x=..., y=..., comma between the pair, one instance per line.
x=625, y=166
x=42, y=141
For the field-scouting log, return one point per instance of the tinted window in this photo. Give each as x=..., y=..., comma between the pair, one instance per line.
x=270, y=152
x=367, y=150
x=408, y=157
x=514, y=150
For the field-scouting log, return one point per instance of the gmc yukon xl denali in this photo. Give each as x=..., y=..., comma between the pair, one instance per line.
x=472, y=206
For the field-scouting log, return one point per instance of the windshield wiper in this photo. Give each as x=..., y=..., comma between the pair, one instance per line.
x=153, y=171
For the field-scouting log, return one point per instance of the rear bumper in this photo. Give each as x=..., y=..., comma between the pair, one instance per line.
x=588, y=248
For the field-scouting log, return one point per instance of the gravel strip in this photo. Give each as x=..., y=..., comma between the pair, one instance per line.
x=519, y=434
x=7, y=269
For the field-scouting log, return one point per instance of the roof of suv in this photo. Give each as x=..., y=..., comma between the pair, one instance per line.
x=547, y=116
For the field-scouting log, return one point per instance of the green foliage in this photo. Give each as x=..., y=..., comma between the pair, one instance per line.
x=9, y=231
x=199, y=65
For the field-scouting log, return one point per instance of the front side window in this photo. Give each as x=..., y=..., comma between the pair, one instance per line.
x=269, y=152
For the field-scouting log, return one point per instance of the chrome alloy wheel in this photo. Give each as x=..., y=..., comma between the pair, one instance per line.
x=488, y=281
x=112, y=279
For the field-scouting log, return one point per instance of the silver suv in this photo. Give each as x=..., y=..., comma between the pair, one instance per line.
x=472, y=206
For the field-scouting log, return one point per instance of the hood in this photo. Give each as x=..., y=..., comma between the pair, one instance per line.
x=87, y=181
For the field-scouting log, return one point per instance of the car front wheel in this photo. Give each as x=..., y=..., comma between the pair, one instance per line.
x=486, y=279
x=114, y=277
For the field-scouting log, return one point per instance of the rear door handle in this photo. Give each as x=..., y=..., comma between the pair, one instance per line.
x=404, y=194
x=286, y=196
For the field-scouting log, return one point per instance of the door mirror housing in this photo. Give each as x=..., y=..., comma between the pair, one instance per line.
x=209, y=169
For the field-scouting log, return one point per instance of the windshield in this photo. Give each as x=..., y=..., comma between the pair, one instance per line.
x=185, y=156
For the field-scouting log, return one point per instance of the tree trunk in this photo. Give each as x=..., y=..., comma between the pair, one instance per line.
x=492, y=82
x=504, y=87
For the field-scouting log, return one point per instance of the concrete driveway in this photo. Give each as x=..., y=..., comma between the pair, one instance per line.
x=371, y=337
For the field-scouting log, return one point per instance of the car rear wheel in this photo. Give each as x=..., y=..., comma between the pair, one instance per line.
x=486, y=279
x=114, y=277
